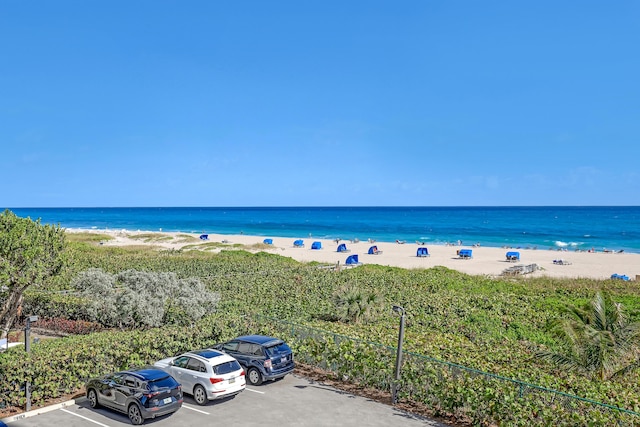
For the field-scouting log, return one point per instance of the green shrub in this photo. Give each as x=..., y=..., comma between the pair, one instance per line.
x=143, y=299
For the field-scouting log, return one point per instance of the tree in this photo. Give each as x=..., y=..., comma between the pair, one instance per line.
x=597, y=340
x=30, y=253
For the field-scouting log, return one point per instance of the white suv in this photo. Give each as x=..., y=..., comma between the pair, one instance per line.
x=206, y=374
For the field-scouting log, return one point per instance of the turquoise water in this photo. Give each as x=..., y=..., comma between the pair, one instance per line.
x=613, y=227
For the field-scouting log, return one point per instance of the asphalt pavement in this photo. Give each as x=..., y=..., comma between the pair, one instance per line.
x=291, y=401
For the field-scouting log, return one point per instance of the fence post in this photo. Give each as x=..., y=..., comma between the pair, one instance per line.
x=521, y=393
x=396, y=382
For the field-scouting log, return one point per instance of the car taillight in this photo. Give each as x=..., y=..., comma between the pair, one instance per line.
x=216, y=380
x=267, y=363
x=242, y=373
x=150, y=395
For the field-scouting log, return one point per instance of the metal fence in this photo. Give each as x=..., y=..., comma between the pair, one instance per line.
x=447, y=389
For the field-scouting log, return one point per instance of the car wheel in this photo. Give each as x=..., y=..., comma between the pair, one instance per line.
x=200, y=395
x=135, y=416
x=254, y=376
x=93, y=398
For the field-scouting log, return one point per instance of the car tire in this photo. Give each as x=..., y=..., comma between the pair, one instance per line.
x=135, y=415
x=254, y=377
x=92, y=396
x=200, y=395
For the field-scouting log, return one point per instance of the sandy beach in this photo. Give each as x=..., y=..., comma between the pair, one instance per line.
x=485, y=260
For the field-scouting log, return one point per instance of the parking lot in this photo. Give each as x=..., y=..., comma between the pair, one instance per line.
x=292, y=401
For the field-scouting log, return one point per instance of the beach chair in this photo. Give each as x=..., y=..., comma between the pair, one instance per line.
x=422, y=252
x=298, y=243
x=268, y=241
x=342, y=248
x=352, y=260
x=465, y=253
x=316, y=245
x=204, y=237
x=513, y=256
x=373, y=250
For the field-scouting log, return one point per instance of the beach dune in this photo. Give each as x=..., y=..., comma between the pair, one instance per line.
x=488, y=261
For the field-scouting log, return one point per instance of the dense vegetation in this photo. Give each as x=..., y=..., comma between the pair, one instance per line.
x=492, y=325
x=30, y=253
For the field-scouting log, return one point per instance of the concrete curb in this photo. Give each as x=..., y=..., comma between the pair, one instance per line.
x=33, y=413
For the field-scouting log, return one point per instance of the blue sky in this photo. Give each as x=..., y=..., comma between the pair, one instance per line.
x=319, y=103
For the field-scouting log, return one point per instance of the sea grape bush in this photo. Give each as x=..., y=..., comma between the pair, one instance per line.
x=448, y=390
x=61, y=366
x=52, y=304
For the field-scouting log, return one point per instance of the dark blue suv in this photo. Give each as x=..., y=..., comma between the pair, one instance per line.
x=264, y=358
x=140, y=393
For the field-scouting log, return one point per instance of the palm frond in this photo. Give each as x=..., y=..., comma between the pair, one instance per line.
x=597, y=339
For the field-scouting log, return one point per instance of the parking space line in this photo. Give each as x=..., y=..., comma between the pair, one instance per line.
x=194, y=409
x=83, y=417
x=255, y=391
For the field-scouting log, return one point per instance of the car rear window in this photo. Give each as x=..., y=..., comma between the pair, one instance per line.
x=160, y=383
x=227, y=367
x=277, y=349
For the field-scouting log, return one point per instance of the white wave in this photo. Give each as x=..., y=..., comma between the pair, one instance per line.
x=562, y=244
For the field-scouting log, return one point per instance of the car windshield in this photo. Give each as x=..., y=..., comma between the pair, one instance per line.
x=227, y=367
x=277, y=349
x=160, y=383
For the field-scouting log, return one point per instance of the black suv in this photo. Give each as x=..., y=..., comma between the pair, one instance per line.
x=264, y=358
x=139, y=393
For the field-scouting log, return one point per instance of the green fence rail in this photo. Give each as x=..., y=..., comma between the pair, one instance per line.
x=447, y=389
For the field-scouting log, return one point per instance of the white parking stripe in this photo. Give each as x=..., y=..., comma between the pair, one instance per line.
x=255, y=391
x=83, y=417
x=194, y=409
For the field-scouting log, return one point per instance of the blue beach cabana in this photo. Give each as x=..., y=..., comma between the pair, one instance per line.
x=316, y=245
x=623, y=277
x=513, y=256
x=373, y=250
x=204, y=237
x=352, y=260
x=298, y=243
x=465, y=253
x=342, y=248
x=268, y=241
x=422, y=252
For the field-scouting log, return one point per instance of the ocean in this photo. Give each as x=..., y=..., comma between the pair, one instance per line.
x=573, y=228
